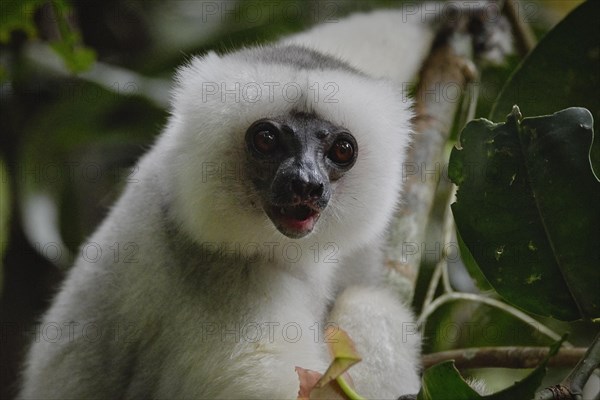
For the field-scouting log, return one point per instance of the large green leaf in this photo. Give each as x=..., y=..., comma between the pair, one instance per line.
x=443, y=381
x=562, y=71
x=528, y=210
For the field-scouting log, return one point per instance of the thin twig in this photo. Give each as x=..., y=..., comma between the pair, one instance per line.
x=448, y=230
x=448, y=297
x=110, y=77
x=524, y=37
x=583, y=370
x=433, y=284
x=441, y=269
x=572, y=386
x=446, y=278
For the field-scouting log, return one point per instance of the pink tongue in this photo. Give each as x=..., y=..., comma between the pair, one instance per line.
x=296, y=224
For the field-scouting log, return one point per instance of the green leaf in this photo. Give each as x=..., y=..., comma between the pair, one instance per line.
x=527, y=209
x=76, y=56
x=18, y=15
x=344, y=355
x=471, y=265
x=443, y=381
x=77, y=59
x=562, y=71
x=526, y=388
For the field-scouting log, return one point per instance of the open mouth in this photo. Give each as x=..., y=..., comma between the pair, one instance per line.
x=294, y=221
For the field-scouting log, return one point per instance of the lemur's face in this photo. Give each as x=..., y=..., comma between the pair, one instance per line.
x=295, y=161
x=322, y=167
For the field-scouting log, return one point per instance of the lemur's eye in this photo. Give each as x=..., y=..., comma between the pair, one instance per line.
x=342, y=152
x=265, y=141
x=263, y=138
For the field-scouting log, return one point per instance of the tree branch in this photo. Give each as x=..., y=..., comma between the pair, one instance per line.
x=571, y=388
x=110, y=77
x=505, y=357
x=442, y=81
x=524, y=37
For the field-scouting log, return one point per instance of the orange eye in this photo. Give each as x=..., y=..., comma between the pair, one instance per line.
x=265, y=142
x=342, y=152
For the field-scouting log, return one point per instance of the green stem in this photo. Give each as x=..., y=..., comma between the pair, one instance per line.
x=347, y=389
x=60, y=8
x=455, y=296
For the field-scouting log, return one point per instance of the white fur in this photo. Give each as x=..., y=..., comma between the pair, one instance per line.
x=176, y=327
x=397, y=339
x=389, y=44
x=373, y=111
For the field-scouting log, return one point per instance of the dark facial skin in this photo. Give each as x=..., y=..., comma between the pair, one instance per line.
x=294, y=160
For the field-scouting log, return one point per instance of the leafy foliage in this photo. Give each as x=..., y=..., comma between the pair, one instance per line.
x=332, y=384
x=77, y=57
x=526, y=208
x=443, y=381
x=19, y=16
x=79, y=154
x=562, y=71
x=110, y=130
x=344, y=355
